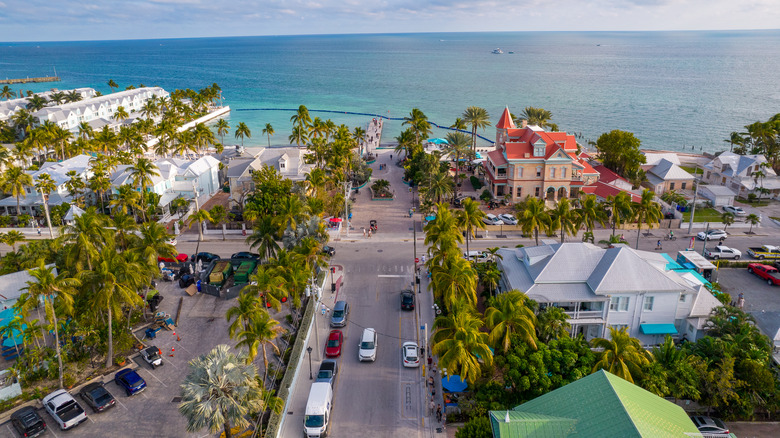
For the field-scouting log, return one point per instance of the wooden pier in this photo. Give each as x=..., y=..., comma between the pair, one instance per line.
x=26, y=80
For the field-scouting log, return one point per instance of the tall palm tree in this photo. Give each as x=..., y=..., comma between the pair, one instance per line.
x=459, y=124
x=45, y=185
x=221, y=390
x=460, y=344
x=436, y=186
x=84, y=239
x=263, y=237
x=301, y=119
x=243, y=131
x=646, y=211
x=620, y=209
x=268, y=131
x=199, y=217
x=358, y=135
x=752, y=219
x=551, y=324
x=247, y=306
x=106, y=140
x=622, y=355
x=532, y=216
x=291, y=211
x=269, y=283
x=85, y=131
x=11, y=238
x=7, y=93
x=222, y=129
x=141, y=174
x=261, y=332
x=536, y=116
x=120, y=115
x=14, y=181
x=478, y=118
x=406, y=141
x=126, y=200
x=511, y=315
x=590, y=212
x=418, y=123
x=454, y=281
x=470, y=218
x=57, y=292
x=111, y=84
x=458, y=147
x=564, y=218
x=73, y=96
x=299, y=135
x=734, y=139
x=35, y=103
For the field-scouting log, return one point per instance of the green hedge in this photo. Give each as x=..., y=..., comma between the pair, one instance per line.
x=297, y=351
x=740, y=263
x=475, y=182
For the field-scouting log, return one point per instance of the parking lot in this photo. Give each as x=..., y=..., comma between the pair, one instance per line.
x=154, y=411
x=761, y=300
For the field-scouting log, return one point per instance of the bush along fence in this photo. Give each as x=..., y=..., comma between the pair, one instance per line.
x=293, y=366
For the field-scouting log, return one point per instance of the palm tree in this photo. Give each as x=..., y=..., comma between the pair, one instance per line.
x=221, y=390
x=436, y=187
x=84, y=239
x=406, y=141
x=11, y=238
x=51, y=288
x=10, y=330
x=536, y=116
x=73, y=96
x=590, y=211
x=243, y=131
x=141, y=174
x=7, y=93
x=532, y=216
x=268, y=131
x=291, y=211
x=112, y=85
x=454, y=281
x=35, y=103
x=247, y=306
x=298, y=136
x=511, y=315
x=551, y=324
x=470, y=218
x=126, y=200
x=564, y=219
x=263, y=237
x=199, y=217
x=418, y=122
x=120, y=114
x=478, y=118
x=727, y=219
x=460, y=344
x=45, y=184
x=622, y=355
x=458, y=147
x=735, y=139
x=620, y=209
x=459, y=124
x=646, y=211
x=14, y=181
x=358, y=135
x=261, y=332
x=752, y=219
x=301, y=119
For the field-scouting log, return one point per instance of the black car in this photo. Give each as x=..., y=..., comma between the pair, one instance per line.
x=28, y=422
x=97, y=397
x=329, y=250
x=205, y=257
x=407, y=300
x=244, y=255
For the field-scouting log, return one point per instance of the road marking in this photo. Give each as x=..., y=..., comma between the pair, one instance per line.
x=90, y=419
x=391, y=276
x=121, y=404
x=155, y=378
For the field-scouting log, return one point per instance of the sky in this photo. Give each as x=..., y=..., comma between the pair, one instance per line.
x=67, y=20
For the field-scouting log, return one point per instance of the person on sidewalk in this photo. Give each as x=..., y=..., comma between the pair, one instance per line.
x=438, y=413
x=432, y=407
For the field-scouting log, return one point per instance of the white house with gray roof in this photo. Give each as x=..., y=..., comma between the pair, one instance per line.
x=618, y=287
x=289, y=162
x=737, y=172
x=665, y=175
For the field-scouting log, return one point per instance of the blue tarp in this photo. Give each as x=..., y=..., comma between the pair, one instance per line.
x=658, y=329
x=453, y=384
x=9, y=342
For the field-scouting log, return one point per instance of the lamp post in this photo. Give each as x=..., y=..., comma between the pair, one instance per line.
x=308, y=350
x=332, y=280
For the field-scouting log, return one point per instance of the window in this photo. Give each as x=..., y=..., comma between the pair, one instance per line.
x=536, y=192
x=683, y=298
x=539, y=171
x=708, y=175
x=618, y=304
x=509, y=190
x=619, y=326
x=682, y=186
x=519, y=192
x=671, y=186
x=552, y=172
x=519, y=172
x=648, y=306
x=563, y=172
x=723, y=181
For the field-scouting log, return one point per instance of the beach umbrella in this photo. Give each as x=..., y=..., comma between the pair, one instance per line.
x=453, y=384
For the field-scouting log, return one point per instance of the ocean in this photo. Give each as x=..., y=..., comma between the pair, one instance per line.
x=673, y=90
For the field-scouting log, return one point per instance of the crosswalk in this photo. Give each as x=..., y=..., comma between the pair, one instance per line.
x=381, y=269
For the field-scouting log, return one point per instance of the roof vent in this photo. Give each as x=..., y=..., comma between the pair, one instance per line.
x=527, y=155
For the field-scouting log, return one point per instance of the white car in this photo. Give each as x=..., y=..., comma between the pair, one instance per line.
x=508, y=219
x=722, y=252
x=736, y=211
x=712, y=235
x=410, y=355
x=64, y=409
x=367, y=345
x=492, y=219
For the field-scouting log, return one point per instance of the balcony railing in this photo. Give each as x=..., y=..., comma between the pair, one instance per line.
x=583, y=314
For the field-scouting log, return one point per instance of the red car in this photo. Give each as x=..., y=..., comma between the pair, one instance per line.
x=768, y=273
x=333, y=347
x=180, y=258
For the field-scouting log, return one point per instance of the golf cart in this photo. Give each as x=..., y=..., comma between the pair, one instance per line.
x=372, y=225
x=153, y=356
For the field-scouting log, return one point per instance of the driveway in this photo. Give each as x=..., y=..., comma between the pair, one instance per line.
x=761, y=300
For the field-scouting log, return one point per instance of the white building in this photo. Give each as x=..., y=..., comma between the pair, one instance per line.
x=618, y=287
x=289, y=162
x=737, y=172
x=11, y=106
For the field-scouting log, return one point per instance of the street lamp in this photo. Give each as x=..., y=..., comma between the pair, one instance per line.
x=308, y=350
x=332, y=280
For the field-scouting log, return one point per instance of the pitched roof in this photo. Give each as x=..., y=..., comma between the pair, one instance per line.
x=497, y=157
x=516, y=424
x=602, y=404
x=603, y=190
x=506, y=121
x=609, y=276
x=666, y=170
x=606, y=175
x=652, y=158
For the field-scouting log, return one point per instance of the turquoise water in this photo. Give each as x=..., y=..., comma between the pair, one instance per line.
x=674, y=90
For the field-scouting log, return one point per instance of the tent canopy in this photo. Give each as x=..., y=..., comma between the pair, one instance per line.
x=453, y=384
x=438, y=141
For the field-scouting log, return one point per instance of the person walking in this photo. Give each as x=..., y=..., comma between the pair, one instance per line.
x=658, y=246
x=438, y=413
x=432, y=407
x=364, y=232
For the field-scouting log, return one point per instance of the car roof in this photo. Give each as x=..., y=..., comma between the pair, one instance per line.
x=25, y=412
x=334, y=333
x=340, y=305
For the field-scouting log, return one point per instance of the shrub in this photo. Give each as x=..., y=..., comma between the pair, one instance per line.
x=475, y=182
x=486, y=196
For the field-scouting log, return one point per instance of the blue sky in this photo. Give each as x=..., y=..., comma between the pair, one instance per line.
x=60, y=20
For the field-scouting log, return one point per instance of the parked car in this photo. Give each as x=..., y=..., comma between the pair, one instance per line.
x=712, y=235
x=410, y=355
x=335, y=340
x=711, y=427
x=130, y=381
x=340, y=314
x=766, y=272
x=459, y=200
x=205, y=257
x=171, y=241
x=245, y=255
x=329, y=250
x=329, y=369
x=97, y=397
x=722, y=252
x=736, y=211
x=476, y=256
x=764, y=252
x=407, y=300
x=492, y=219
x=28, y=422
x=64, y=409
x=180, y=258
x=508, y=219
x=368, y=345
x=153, y=356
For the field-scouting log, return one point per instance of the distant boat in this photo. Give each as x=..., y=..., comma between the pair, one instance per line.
x=497, y=52
x=510, y=52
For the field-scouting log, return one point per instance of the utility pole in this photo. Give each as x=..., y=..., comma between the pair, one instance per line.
x=46, y=209
x=347, y=188
x=414, y=256
x=695, y=193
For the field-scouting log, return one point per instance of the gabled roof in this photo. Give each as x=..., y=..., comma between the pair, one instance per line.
x=735, y=165
x=497, y=157
x=201, y=165
x=603, y=190
x=516, y=424
x=666, y=170
x=610, y=277
x=704, y=303
x=602, y=405
x=652, y=158
x=606, y=175
x=238, y=166
x=506, y=121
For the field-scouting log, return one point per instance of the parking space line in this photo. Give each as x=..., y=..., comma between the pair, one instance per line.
x=8, y=425
x=121, y=404
x=89, y=417
x=155, y=378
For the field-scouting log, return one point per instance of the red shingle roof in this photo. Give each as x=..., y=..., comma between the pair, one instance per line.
x=607, y=176
x=603, y=190
x=506, y=121
x=497, y=158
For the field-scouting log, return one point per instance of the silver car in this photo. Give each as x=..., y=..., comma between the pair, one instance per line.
x=491, y=219
x=340, y=314
x=736, y=211
x=722, y=252
x=508, y=219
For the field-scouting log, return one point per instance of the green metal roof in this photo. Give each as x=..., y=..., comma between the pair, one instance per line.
x=600, y=404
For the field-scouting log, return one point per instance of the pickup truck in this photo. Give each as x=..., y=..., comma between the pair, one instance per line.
x=768, y=273
x=764, y=252
x=64, y=409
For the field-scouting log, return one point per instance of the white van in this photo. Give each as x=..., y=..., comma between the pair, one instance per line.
x=367, y=346
x=475, y=256
x=316, y=421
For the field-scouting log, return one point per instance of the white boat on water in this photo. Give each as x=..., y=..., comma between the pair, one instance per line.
x=497, y=52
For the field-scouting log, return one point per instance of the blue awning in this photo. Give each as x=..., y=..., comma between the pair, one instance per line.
x=453, y=384
x=658, y=329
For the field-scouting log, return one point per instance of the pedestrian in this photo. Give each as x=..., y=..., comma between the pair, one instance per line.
x=369, y=234
x=741, y=300
x=658, y=246
x=430, y=361
x=391, y=157
x=432, y=406
x=422, y=351
x=423, y=259
x=364, y=232
x=39, y=231
x=430, y=381
x=438, y=413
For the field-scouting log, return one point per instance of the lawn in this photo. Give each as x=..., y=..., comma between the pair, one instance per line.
x=690, y=170
x=756, y=203
x=704, y=215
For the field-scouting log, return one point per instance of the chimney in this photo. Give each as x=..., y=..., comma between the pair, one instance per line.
x=524, y=123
